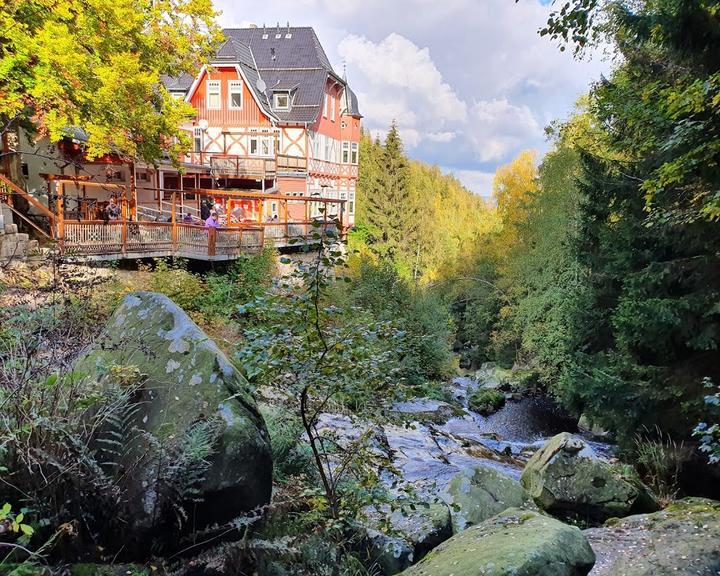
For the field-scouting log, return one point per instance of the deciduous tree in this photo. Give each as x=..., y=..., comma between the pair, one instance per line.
x=97, y=65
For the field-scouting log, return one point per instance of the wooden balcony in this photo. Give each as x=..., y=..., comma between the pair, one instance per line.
x=234, y=166
x=332, y=169
x=174, y=228
x=102, y=240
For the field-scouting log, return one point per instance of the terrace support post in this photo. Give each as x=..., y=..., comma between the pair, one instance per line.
x=123, y=215
x=133, y=192
x=173, y=219
x=286, y=211
x=60, y=209
x=212, y=241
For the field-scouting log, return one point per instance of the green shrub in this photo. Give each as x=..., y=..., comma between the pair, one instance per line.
x=291, y=454
x=486, y=401
x=245, y=279
x=659, y=460
x=172, y=278
x=422, y=315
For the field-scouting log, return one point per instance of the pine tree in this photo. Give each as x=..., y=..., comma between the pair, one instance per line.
x=390, y=211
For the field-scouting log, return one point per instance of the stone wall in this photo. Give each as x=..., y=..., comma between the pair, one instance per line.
x=13, y=244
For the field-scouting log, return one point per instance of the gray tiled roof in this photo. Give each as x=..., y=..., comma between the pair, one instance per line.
x=180, y=84
x=288, y=59
x=301, y=50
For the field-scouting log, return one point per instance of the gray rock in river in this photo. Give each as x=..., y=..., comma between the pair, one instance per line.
x=513, y=543
x=565, y=476
x=682, y=540
x=397, y=538
x=190, y=427
x=474, y=495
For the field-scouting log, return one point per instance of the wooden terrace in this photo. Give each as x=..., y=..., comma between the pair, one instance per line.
x=81, y=229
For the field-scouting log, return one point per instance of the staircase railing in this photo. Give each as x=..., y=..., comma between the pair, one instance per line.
x=9, y=187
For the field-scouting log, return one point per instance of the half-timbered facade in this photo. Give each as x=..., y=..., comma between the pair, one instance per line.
x=272, y=115
x=274, y=153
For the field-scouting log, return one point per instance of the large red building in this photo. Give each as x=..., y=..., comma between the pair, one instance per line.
x=272, y=115
x=275, y=128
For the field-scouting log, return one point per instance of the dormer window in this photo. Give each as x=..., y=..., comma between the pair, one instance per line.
x=281, y=100
x=213, y=94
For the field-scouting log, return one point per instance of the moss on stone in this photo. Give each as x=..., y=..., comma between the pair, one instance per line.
x=478, y=494
x=485, y=401
x=514, y=543
x=565, y=476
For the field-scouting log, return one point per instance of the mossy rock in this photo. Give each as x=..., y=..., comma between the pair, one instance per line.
x=566, y=477
x=182, y=382
x=475, y=495
x=395, y=538
x=486, y=401
x=513, y=543
x=681, y=540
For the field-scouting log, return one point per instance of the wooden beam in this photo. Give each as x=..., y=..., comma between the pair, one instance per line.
x=59, y=206
x=15, y=189
x=260, y=196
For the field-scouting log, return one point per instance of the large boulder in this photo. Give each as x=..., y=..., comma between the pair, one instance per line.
x=186, y=443
x=566, y=477
x=475, y=495
x=682, y=540
x=514, y=543
x=395, y=538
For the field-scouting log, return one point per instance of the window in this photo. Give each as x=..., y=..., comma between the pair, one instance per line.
x=328, y=144
x=213, y=94
x=351, y=203
x=261, y=144
x=197, y=139
x=235, y=94
x=354, y=153
x=345, y=153
x=332, y=108
x=325, y=105
x=281, y=100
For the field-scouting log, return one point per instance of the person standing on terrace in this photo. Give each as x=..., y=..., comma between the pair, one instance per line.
x=212, y=221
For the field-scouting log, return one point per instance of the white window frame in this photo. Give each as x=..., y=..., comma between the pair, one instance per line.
x=332, y=108
x=264, y=144
x=351, y=203
x=325, y=99
x=235, y=87
x=354, y=153
x=276, y=104
x=198, y=139
x=345, y=158
x=209, y=86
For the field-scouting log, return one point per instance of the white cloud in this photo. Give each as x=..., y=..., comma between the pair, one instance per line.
x=476, y=69
x=441, y=136
x=476, y=181
x=403, y=84
x=499, y=128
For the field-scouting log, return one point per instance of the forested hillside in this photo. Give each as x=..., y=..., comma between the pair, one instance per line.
x=605, y=275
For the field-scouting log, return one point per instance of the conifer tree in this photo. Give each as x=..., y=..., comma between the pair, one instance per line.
x=390, y=211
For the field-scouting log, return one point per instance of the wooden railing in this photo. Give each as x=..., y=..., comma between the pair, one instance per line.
x=230, y=165
x=237, y=166
x=332, y=169
x=98, y=238
x=291, y=165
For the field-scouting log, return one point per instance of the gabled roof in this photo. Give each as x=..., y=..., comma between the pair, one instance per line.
x=282, y=59
x=180, y=84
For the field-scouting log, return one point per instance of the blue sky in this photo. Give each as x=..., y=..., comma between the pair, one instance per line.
x=470, y=82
